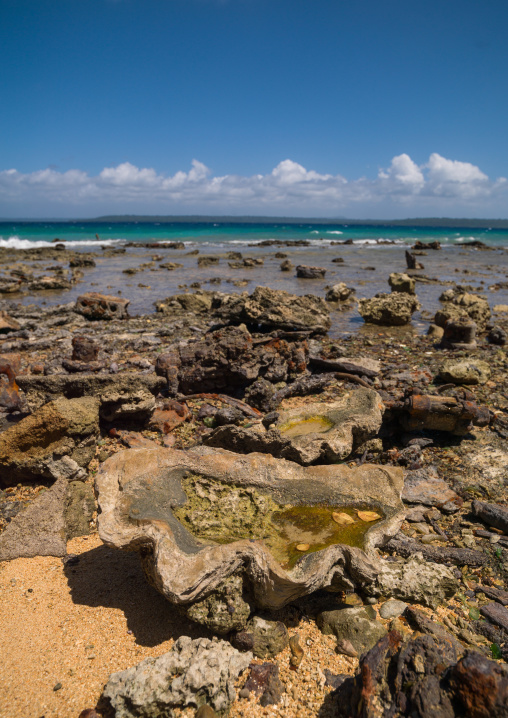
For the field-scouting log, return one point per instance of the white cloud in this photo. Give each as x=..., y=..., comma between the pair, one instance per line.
x=440, y=185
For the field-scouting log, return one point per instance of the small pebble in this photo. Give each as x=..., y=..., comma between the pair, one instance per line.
x=296, y=651
x=57, y=686
x=392, y=609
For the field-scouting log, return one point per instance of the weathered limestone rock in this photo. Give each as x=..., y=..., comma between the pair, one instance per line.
x=466, y=371
x=226, y=609
x=339, y=293
x=317, y=432
x=40, y=390
x=193, y=673
x=401, y=282
x=463, y=305
x=79, y=509
x=93, y=305
x=199, y=302
x=415, y=580
x=459, y=333
x=424, y=486
x=149, y=499
x=389, y=309
x=270, y=309
x=353, y=625
x=127, y=404
x=65, y=427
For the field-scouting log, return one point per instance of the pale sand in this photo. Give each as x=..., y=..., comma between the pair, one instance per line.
x=77, y=626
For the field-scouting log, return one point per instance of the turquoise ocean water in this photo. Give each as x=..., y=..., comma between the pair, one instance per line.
x=25, y=234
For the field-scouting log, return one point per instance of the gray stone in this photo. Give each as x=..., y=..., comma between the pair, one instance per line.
x=401, y=282
x=353, y=625
x=193, y=673
x=466, y=371
x=496, y=613
x=392, y=608
x=415, y=581
x=40, y=529
x=423, y=486
x=389, y=309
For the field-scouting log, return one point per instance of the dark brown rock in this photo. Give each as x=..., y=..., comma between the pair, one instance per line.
x=496, y=613
x=305, y=272
x=101, y=306
x=264, y=681
x=228, y=360
x=84, y=349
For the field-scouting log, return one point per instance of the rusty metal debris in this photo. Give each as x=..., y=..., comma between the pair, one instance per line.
x=441, y=413
x=9, y=393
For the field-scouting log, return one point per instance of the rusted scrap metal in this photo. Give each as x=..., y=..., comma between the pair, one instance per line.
x=441, y=413
x=9, y=393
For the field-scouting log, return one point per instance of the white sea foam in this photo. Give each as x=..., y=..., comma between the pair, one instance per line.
x=333, y=231
x=18, y=243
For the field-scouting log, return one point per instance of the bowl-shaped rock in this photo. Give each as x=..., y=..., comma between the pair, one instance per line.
x=141, y=492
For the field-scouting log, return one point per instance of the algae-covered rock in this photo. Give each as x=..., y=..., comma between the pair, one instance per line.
x=275, y=309
x=339, y=293
x=462, y=305
x=64, y=427
x=354, y=625
x=193, y=673
x=225, y=610
x=389, y=309
x=465, y=371
x=266, y=639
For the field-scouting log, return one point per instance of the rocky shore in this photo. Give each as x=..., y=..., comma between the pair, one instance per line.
x=236, y=503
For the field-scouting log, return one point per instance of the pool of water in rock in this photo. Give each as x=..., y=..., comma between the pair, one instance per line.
x=219, y=513
x=306, y=426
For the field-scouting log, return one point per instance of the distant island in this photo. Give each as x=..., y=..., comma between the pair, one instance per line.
x=343, y=221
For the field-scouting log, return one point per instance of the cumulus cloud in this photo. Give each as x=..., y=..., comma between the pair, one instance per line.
x=439, y=185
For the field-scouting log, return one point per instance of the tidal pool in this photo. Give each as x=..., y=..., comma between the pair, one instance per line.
x=219, y=513
x=303, y=427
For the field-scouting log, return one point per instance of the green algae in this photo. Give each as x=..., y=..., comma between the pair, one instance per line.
x=303, y=427
x=220, y=513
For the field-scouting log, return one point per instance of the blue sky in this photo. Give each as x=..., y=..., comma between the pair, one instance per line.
x=365, y=108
